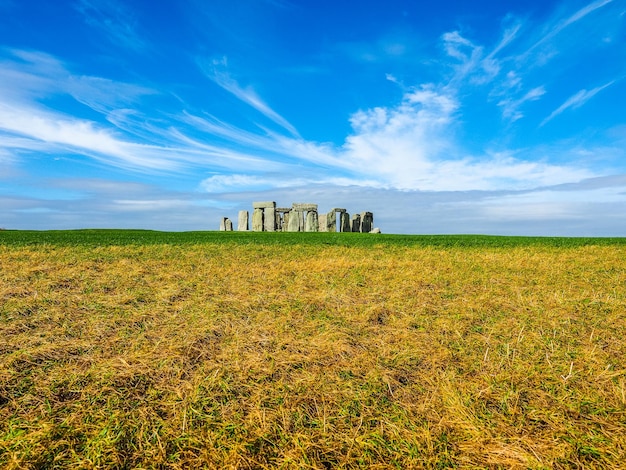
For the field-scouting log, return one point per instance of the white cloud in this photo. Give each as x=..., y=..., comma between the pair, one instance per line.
x=469, y=57
x=103, y=95
x=114, y=20
x=574, y=18
x=511, y=107
x=217, y=73
x=550, y=204
x=413, y=146
x=233, y=182
x=576, y=101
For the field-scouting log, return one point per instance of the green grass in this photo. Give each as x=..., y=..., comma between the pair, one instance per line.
x=105, y=237
x=138, y=349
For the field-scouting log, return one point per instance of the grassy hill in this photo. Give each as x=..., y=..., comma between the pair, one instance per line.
x=253, y=350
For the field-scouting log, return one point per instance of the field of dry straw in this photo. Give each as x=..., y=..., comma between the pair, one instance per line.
x=312, y=356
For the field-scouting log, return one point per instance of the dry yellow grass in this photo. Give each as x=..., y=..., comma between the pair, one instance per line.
x=165, y=356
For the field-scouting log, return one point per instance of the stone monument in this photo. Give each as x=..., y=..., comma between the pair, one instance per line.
x=300, y=217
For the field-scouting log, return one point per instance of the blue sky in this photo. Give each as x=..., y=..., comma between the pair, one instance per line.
x=440, y=117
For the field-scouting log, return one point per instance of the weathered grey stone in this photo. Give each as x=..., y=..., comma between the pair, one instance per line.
x=344, y=222
x=337, y=209
x=312, y=222
x=301, y=221
x=229, y=225
x=279, y=222
x=376, y=230
x=257, y=220
x=367, y=220
x=285, y=227
x=331, y=221
x=283, y=209
x=322, y=222
x=304, y=207
x=242, y=221
x=264, y=205
x=223, y=223
x=294, y=221
x=356, y=223
x=269, y=219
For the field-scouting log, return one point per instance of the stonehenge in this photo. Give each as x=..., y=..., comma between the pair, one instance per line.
x=300, y=217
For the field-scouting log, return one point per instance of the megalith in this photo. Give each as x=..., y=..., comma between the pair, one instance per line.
x=331, y=221
x=257, y=220
x=356, y=223
x=304, y=207
x=344, y=222
x=312, y=222
x=323, y=227
x=367, y=221
x=282, y=218
x=242, y=221
x=294, y=221
x=226, y=225
x=269, y=218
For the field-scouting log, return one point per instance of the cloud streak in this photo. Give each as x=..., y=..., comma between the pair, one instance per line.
x=217, y=73
x=574, y=18
x=114, y=20
x=412, y=145
x=576, y=101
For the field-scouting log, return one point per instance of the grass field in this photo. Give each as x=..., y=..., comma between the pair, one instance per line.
x=139, y=349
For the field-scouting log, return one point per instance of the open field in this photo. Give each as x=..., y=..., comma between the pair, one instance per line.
x=134, y=349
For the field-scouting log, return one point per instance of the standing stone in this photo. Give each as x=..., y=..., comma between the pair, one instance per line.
x=257, y=220
x=331, y=221
x=286, y=222
x=322, y=222
x=242, y=221
x=301, y=221
x=294, y=221
x=223, y=224
x=228, y=225
x=270, y=219
x=312, y=222
x=281, y=218
x=367, y=220
x=356, y=223
x=344, y=222
x=279, y=222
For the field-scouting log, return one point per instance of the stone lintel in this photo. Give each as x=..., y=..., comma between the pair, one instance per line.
x=297, y=206
x=263, y=205
x=283, y=209
x=337, y=209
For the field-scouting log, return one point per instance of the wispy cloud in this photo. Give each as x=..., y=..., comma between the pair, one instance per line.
x=576, y=101
x=114, y=20
x=574, y=18
x=511, y=107
x=412, y=146
x=216, y=70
